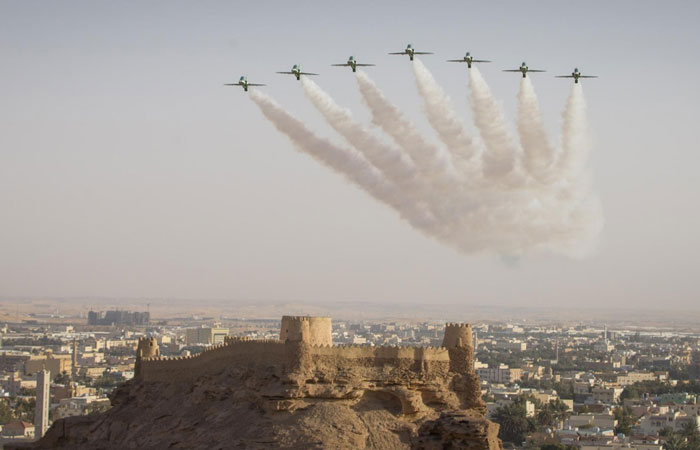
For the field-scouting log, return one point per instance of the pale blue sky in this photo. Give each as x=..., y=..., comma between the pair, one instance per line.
x=126, y=169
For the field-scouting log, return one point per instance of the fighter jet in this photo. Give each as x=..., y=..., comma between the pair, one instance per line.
x=243, y=82
x=410, y=51
x=469, y=59
x=524, y=70
x=352, y=62
x=296, y=71
x=576, y=75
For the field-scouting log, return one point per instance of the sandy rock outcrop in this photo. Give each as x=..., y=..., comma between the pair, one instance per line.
x=292, y=395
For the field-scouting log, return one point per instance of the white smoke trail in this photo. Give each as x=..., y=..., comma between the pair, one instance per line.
x=575, y=136
x=353, y=166
x=538, y=153
x=430, y=162
x=500, y=156
x=509, y=211
x=443, y=119
x=386, y=158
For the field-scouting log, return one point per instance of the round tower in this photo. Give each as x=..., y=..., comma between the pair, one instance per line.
x=147, y=348
x=309, y=330
x=457, y=335
x=458, y=341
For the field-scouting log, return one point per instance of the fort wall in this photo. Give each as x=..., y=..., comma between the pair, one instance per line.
x=305, y=349
x=242, y=354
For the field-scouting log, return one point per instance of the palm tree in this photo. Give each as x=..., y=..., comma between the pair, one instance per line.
x=691, y=433
x=515, y=425
x=675, y=442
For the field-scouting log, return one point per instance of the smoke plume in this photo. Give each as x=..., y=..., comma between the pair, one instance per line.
x=443, y=119
x=350, y=164
x=501, y=153
x=505, y=198
x=428, y=158
x=388, y=159
x=538, y=153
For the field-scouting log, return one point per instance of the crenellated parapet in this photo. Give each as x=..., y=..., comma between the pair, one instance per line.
x=305, y=352
x=233, y=353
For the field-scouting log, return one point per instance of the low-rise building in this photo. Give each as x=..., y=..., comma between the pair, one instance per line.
x=603, y=421
x=608, y=395
x=205, y=335
x=17, y=429
x=56, y=364
x=502, y=374
x=675, y=420
x=635, y=377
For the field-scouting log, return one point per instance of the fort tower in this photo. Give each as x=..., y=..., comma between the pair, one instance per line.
x=309, y=330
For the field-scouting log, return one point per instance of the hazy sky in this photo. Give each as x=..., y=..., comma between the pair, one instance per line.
x=126, y=169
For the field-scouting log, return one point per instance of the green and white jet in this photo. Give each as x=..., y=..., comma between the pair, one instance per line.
x=524, y=70
x=296, y=71
x=410, y=51
x=576, y=75
x=352, y=62
x=243, y=82
x=469, y=59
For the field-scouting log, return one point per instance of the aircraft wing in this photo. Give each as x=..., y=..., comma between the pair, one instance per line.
x=456, y=60
x=563, y=76
x=588, y=76
x=254, y=84
x=342, y=65
x=397, y=53
x=235, y=84
x=512, y=70
x=533, y=70
x=364, y=65
x=286, y=73
x=480, y=60
x=422, y=53
x=307, y=73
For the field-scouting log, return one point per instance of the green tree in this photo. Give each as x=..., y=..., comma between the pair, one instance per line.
x=631, y=391
x=5, y=413
x=25, y=410
x=557, y=446
x=666, y=431
x=625, y=420
x=62, y=378
x=545, y=416
x=676, y=442
x=515, y=425
x=691, y=434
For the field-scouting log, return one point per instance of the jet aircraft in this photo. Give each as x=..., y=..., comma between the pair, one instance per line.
x=524, y=70
x=410, y=51
x=576, y=75
x=296, y=71
x=352, y=62
x=243, y=82
x=469, y=59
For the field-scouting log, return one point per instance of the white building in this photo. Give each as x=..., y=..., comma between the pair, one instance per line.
x=502, y=374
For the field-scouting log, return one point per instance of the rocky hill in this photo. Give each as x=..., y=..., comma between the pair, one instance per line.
x=292, y=395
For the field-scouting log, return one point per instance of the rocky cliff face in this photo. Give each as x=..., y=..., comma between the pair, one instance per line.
x=236, y=409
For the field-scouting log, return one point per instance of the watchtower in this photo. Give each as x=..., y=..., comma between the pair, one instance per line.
x=458, y=341
x=147, y=348
x=308, y=330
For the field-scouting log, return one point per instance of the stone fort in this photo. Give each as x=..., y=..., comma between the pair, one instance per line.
x=308, y=365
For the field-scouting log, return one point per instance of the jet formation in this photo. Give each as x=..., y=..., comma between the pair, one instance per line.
x=411, y=52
